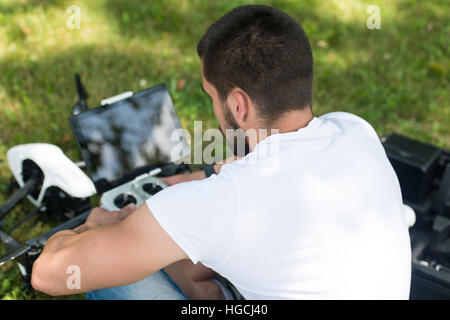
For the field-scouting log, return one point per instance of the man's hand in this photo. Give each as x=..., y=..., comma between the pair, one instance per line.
x=184, y=177
x=100, y=217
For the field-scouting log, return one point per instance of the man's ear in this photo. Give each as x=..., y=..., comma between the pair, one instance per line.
x=240, y=105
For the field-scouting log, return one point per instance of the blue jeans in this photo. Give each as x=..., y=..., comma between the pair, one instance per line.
x=158, y=286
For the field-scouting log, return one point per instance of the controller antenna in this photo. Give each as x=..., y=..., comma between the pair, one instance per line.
x=81, y=105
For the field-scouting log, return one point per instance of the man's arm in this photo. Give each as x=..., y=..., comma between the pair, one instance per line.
x=198, y=175
x=107, y=256
x=184, y=273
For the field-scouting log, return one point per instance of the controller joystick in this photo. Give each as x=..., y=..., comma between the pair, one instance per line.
x=123, y=200
x=151, y=188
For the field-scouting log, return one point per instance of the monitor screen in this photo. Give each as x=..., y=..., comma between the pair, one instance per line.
x=132, y=136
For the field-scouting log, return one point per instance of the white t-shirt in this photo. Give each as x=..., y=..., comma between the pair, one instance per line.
x=311, y=214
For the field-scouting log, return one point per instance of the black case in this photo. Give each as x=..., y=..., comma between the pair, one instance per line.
x=423, y=171
x=415, y=164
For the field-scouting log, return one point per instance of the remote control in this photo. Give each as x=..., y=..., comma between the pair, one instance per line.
x=135, y=191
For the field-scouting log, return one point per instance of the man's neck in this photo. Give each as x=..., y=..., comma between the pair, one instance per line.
x=292, y=121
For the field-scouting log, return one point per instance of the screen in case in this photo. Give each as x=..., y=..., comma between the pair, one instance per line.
x=129, y=137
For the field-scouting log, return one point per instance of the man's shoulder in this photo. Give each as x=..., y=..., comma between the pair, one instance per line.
x=343, y=116
x=347, y=119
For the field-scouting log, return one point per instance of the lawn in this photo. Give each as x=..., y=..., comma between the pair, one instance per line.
x=395, y=77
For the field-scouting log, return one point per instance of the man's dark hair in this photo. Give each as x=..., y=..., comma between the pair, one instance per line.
x=263, y=51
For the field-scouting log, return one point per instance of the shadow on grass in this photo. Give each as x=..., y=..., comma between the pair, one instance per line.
x=382, y=75
x=42, y=93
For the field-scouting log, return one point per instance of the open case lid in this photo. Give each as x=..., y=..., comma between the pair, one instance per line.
x=122, y=140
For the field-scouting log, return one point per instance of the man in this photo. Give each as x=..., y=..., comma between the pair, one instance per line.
x=314, y=211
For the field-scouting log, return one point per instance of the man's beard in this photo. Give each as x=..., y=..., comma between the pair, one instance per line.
x=235, y=145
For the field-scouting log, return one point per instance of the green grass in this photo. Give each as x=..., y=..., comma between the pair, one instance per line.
x=395, y=77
